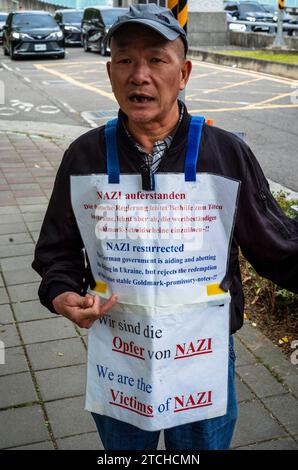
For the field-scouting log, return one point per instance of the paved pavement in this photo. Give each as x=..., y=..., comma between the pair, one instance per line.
x=43, y=379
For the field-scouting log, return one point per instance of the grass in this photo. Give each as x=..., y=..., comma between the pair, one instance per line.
x=280, y=57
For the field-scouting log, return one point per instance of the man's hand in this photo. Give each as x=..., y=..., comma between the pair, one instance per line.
x=83, y=311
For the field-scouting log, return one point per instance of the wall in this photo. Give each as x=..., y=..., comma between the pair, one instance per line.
x=11, y=5
x=259, y=40
x=207, y=29
x=205, y=5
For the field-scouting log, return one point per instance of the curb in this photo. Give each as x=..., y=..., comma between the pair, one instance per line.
x=44, y=129
x=257, y=65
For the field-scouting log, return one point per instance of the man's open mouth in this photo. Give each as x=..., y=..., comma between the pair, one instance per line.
x=140, y=98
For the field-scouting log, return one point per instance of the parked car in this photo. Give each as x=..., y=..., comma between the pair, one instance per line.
x=3, y=17
x=32, y=33
x=95, y=25
x=70, y=22
x=235, y=25
x=248, y=11
x=274, y=11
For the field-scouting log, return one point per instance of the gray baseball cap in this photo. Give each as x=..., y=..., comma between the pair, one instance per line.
x=159, y=19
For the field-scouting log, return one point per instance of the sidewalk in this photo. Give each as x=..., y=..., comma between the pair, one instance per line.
x=43, y=379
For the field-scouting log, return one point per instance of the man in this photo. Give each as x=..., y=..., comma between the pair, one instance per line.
x=148, y=69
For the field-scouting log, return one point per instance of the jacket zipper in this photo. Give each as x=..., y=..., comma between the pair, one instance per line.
x=273, y=217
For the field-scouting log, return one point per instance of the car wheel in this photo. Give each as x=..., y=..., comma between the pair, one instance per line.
x=102, y=48
x=85, y=45
x=61, y=56
x=11, y=52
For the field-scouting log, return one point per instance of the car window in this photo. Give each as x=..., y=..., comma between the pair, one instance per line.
x=38, y=21
x=110, y=16
x=270, y=8
x=72, y=16
x=231, y=8
x=96, y=15
x=88, y=14
x=3, y=18
x=244, y=8
x=99, y=17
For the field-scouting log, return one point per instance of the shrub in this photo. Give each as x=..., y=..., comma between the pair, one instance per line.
x=263, y=295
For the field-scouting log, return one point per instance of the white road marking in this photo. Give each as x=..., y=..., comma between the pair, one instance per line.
x=47, y=109
x=22, y=105
x=6, y=67
x=5, y=111
x=86, y=116
x=67, y=106
x=27, y=79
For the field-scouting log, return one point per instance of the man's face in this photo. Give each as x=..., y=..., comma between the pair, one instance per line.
x=147, y=72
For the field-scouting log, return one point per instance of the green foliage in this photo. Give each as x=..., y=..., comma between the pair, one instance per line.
x=286, y=203
x=275, y=301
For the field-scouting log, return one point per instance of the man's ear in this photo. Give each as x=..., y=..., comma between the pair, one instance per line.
x=185, y=73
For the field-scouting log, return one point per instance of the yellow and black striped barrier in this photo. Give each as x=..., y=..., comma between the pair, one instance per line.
x=281, y=4
x=179, y=9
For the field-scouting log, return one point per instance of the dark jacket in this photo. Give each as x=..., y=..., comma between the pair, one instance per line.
x=267, y=238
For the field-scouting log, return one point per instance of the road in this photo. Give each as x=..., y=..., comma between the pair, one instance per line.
x=76, y=91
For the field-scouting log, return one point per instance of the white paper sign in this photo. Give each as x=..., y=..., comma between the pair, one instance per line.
x=160, y=358
x=157, y=370
x=152, y=248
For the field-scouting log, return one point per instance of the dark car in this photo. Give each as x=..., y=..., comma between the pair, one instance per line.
x=95, y=25
x=70, y=22
x=248, y=11
x=32, y=33
x=274, y=11
x=3, y=17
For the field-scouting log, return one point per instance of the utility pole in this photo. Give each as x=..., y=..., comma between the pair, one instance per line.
x=179, y=9
x=279, y=38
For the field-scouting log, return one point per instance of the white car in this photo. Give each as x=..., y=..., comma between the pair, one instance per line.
x=234, y=24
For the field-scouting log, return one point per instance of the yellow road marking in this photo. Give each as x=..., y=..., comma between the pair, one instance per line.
x=69, y=64
x=277, y=106
x=202, y=75
x=269, y=77
x=245, y=82
x=217, y=101
x=90, y=71
x=69, y=79
x=269, y=100
x=244, y=108
x=250, y=106
x=99, y=83
x=231, y=85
